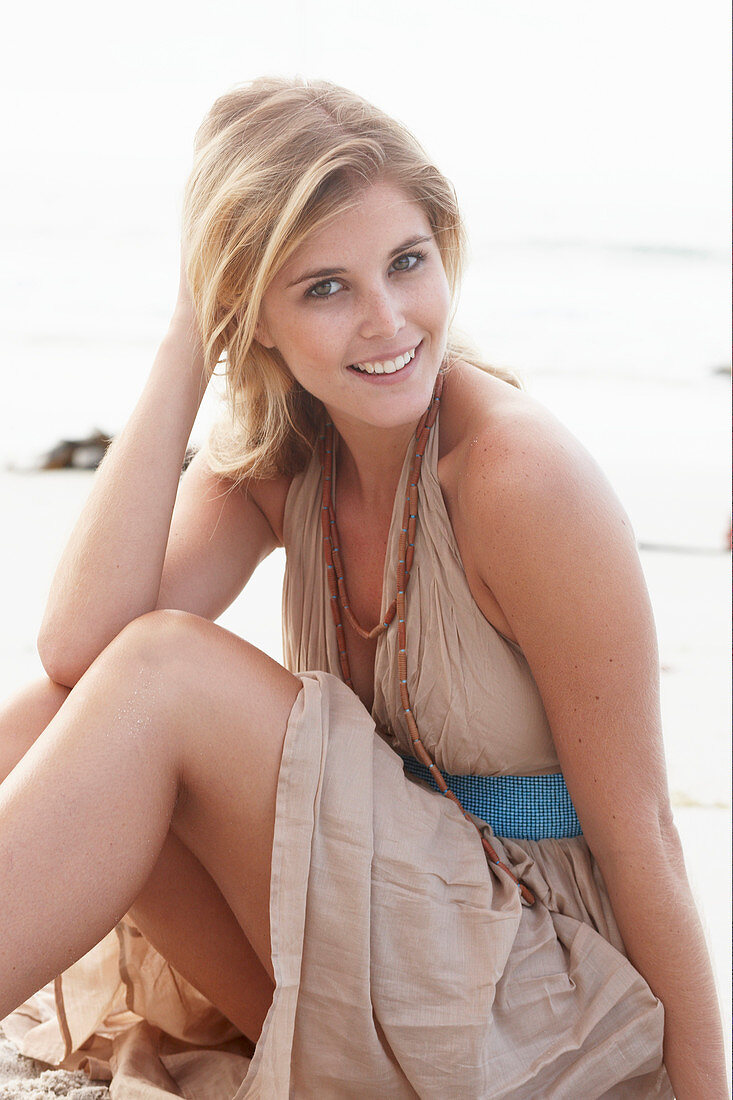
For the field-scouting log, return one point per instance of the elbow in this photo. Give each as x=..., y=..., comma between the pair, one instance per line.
x=670, y=842
x=60, y=670
x=647, y=839
x=662, y=830
x=66, y=654
x=60, y=661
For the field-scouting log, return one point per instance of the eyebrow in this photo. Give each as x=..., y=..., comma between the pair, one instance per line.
x=326, y=272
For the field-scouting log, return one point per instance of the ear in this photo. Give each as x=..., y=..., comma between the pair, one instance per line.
x=262, y=333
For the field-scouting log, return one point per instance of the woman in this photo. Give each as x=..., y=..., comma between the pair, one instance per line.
x=252, y=824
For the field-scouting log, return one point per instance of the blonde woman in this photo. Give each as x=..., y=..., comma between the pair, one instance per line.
x=279, y=853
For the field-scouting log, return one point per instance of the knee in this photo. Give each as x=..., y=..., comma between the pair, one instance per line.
x=161, y=638
x=182, y=653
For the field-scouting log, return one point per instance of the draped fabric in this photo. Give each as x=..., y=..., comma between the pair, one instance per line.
x=405, y=964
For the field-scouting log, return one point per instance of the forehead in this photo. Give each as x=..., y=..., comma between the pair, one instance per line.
x=381, y=218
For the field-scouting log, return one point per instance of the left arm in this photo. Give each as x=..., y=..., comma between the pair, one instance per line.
x=552, y=544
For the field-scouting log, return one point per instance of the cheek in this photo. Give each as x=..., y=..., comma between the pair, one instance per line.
x=310, y=343
x=434, y=301
x=311, y=337
x=319, y=329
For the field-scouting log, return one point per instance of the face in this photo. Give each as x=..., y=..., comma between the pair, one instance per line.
x=360, y=312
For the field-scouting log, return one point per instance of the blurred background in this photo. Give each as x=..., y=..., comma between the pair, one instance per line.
x=589, y=145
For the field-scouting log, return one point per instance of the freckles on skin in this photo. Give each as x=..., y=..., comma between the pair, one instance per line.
x=379, y=296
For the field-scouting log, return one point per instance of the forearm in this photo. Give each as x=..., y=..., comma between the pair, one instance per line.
x=111, y=569
x=661, y=929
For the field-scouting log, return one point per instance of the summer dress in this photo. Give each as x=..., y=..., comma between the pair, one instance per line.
x=406, y=964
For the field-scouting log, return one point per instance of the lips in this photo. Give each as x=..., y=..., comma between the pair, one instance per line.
x=386, y=366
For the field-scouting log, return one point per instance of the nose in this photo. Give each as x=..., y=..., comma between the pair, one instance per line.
x=382, y=314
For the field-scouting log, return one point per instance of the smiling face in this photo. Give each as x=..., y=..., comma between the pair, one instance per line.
x=360, y=311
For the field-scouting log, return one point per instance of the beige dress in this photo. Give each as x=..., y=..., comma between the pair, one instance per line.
x=406, y=965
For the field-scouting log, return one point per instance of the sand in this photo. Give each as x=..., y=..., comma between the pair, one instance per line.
x=29, y=1080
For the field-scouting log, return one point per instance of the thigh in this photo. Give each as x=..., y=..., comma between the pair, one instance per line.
x=226, y=706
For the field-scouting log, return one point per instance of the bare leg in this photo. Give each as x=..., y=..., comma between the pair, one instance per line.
x=24, y=717
x=180, y=909
x=178, y=724
x=182, y=913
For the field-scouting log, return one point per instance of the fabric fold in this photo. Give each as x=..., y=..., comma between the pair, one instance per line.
x=405, y=964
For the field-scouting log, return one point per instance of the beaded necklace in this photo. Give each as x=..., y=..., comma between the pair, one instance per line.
x=340, y=598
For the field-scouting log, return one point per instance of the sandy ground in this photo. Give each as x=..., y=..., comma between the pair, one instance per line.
x=29, y=1080
x=690, y=596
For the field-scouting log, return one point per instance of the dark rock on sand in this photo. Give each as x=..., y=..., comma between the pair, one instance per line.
x=77, y=454
x=80, y=454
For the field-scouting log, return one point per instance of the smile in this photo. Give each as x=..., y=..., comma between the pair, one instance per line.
x=387, y=366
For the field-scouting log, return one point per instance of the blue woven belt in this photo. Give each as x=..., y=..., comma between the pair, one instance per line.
x=526, y=807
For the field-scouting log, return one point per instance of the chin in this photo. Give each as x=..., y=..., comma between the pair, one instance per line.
x=390, y=409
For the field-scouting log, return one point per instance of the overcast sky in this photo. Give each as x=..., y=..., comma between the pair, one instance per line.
x=576, y=117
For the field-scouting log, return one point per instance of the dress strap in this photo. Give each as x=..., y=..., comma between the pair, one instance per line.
x=520, y=807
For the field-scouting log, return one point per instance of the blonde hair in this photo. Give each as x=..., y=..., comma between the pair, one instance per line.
x=274, y=160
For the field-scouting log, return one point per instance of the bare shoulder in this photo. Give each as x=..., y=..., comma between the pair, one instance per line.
x=219, y=533
x=214, y=493
x=508, y=459
x=531, y=509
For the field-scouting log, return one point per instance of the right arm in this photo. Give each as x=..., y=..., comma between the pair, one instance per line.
x=125, y=557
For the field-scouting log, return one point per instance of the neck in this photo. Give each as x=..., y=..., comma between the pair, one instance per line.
x=370, y=460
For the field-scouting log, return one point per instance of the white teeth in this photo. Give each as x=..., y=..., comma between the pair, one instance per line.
x=390, y=366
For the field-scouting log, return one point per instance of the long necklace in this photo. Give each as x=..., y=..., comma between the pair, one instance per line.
x=340, y=598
